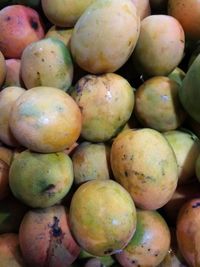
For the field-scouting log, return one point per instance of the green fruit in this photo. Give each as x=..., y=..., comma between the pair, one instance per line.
x=189, y=92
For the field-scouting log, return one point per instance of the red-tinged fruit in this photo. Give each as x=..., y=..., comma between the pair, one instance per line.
x=13, y=75
x=20, y=26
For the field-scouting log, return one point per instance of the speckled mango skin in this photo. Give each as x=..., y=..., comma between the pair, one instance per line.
x=45, y=238
x=45, y=119
x=10, y=254
x=144, y=163
x=187, y=232
x=150, y=242
x=64, y=13
x=40, y=180
x=2, y=68
x=91, y=161
x=63, y=34
x=186, y=147
x=157, y=104
x=188, y=14
x=166, y=46
x=13, y=75
x=105, y=35
x=102, y=217
x=8, y=96
x=106, y=103
x=47, y=63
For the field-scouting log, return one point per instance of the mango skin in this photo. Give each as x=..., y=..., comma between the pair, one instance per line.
x=150, y=243
x=157, y=104
x=45, y=119
x=106, y=102
x=47, y=62
x=13, y=75
x=45, y=238
x=144, y=163
x=40, y=180
x=2, y=69
x=102, y=217
x=63, y=34
x=91, y=161
x=143, y=8
x=189, y=92
x=187, y=232
x=10, y=254
x=156, y=30
x=8, y=96
x=64, y=13
x=105, y=47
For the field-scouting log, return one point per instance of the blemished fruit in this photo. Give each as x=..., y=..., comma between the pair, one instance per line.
x=150, y=243
x=45, y=119
x=20, y=26
x=47, y=62
x=106, y=102
x=187, y=231
x=157, y=104
x=105, y=35
x=40, y=180
x=102, y=217
x=144, y=163
x=157, y=31
x=45, y=238
x=189, y=92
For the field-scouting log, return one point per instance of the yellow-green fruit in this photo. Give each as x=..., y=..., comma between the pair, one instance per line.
x=143, y=8
x=106, y=102
x=10, y=254
x=40, y=180
x=167, y=42
x=91, y=161
x=150, y=243
x=8, y=96
x=2, y=68
x=186, y=147
x=145, y=164
x=105, y=35
x=177, y=75
x=157, y=104
x=63, y=34
x=47, y=63
x=64, y=13
x=102, y=217
x=45, y=119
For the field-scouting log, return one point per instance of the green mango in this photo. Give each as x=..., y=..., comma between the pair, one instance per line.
x=189, y=92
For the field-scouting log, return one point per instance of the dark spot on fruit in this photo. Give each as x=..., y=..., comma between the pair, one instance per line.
x=108, y=251
x=196, y=205
x=34, y=24
x=49, y=187
x=56, y=230
x=133, y=261
x=126, y=173
x=149, y=249
x=8, y=18
x=42, y=59
x=156, y=255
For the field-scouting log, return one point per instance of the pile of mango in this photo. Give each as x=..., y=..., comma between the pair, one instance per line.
x=99, y=133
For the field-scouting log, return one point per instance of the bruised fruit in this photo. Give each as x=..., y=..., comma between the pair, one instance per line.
x=157, y=104
x=8, y=96
x=20, y=26
x=102, y=217
x=13, y=75
x=45, y=119
x=10, y=254
x=2, y=69
x=186, y=147
x=159, y=49
x=63, y=34
x=188, y=232
x=91, y=161
x=40, y=180
x=64, y=13
x=144, y=163
x=47, y=63
x=106, y=102
x=45, y=238
x=150, y=243
x=105, y=35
